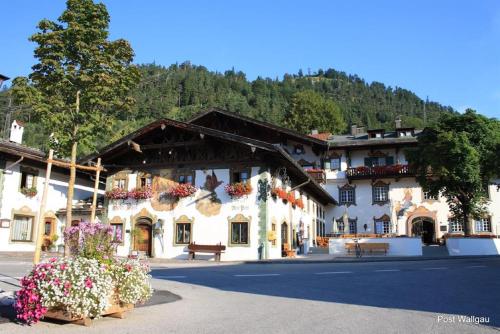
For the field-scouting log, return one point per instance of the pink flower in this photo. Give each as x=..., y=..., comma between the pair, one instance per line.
x=88, y=283
x=63, y=266
x=52, y=259
x=128, y=267
x=57, y=281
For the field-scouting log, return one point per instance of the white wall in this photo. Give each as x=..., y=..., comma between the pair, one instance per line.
x=473, y=246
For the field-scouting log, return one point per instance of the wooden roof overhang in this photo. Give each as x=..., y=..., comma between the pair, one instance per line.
x=146, y=138
x=252, y=128
x=364, y=144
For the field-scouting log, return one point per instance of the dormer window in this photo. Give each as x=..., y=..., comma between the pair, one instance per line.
x=376, y=134
x=298, y=149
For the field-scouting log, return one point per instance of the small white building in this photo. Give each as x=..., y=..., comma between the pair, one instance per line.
x=22, y=178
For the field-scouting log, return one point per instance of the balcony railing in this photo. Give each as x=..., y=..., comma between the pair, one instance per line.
x=364, y=172
x=318, y=175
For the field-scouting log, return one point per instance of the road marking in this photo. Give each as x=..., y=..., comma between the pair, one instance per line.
x=436, y=268
x=480, y=266
x=10, y=278
x=179, y=276
x=333, y=272
x=386, y=270
x=255, y=275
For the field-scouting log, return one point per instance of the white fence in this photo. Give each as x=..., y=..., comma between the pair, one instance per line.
x=473, y=246
x=397, y=246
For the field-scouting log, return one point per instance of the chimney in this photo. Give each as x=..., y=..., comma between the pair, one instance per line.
x=16, y=132
x=314, y=132
x=398, y=123
x=354, y=129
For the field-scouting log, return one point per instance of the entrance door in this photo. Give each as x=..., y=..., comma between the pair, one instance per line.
x=284, y=238
x=424, y=228
x=142, y=238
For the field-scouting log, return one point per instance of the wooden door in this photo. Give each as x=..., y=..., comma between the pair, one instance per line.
x=142, y=240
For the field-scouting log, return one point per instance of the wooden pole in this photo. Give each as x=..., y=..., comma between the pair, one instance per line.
x=41, y=214
x=96, y=188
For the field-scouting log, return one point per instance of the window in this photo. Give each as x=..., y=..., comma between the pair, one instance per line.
x=240, y=175
x=144, y=180
x=117, y=232
x=28, y=178
x=298, y=149
x=379, y=161
x=182, y=233
x=335, y=163
x=273, y=228
x=340, y=226
x=185, y=178
x=120, y=181
x=380, y=192
x=353, y=226
x=239, y=233
x=48, y=228
x=483, y=225
x=456, y=226
x=22, y=228
x=382, y=227
x=428, y=196
x=75, y=222
x=347, y=195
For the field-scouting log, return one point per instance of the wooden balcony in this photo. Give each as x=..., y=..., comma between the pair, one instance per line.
x=392, y=171
x=318, y=175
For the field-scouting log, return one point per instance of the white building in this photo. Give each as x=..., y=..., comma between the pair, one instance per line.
x=167, y=155
x=22, y=178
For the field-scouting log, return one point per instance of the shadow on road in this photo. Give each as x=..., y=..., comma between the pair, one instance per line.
x=462, y=292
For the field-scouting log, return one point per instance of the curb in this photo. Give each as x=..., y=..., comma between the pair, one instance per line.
x=364, y=260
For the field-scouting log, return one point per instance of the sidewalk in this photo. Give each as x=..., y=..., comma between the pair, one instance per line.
x=27, y=258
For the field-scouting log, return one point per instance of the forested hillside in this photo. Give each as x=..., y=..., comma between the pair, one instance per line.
x=182, y=90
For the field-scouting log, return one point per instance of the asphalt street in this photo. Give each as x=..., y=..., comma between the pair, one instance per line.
x=372, y=297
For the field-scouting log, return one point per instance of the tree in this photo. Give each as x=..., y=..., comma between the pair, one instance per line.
x=311, y=111
x=80, y=82
x=458, y=158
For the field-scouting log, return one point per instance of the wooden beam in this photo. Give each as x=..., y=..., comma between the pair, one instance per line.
x=172, y=145
x=41, y=213
x=67, y=165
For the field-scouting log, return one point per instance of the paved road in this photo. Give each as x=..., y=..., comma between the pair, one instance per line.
x=381, y=297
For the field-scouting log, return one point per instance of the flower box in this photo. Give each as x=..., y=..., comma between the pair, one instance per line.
x=182, y=190
x=299, y=203
x=117, y=193
x=141, y=193
x=116, y=309
x=238, y=189
x=291, y=198
x=29, y=192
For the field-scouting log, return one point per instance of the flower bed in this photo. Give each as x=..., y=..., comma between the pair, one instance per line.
x=117, y=193
x=239, y=189
x=86, y=285
x=182, y=190
x=29, y=192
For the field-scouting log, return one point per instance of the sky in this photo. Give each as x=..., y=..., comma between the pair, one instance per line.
x=448, y=50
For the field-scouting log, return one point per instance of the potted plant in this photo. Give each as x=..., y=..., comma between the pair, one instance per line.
x=29, y=192
x=87, y=285
x=299, y=203
x=238, y=189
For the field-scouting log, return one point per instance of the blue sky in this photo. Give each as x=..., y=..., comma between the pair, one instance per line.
x=447, y=50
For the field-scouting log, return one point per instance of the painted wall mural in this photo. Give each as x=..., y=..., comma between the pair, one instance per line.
x=207, y=201
x=402, y=207
x=160, y=200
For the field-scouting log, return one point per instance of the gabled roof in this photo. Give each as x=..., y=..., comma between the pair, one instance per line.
x=277, y=152
x=201, y=117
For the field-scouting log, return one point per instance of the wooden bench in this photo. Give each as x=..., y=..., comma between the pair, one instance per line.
x=215, y=249
x=368, y=247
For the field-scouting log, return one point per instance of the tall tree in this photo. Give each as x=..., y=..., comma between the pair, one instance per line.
x=312, y=111
x=81, y=79
x=458, y=158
